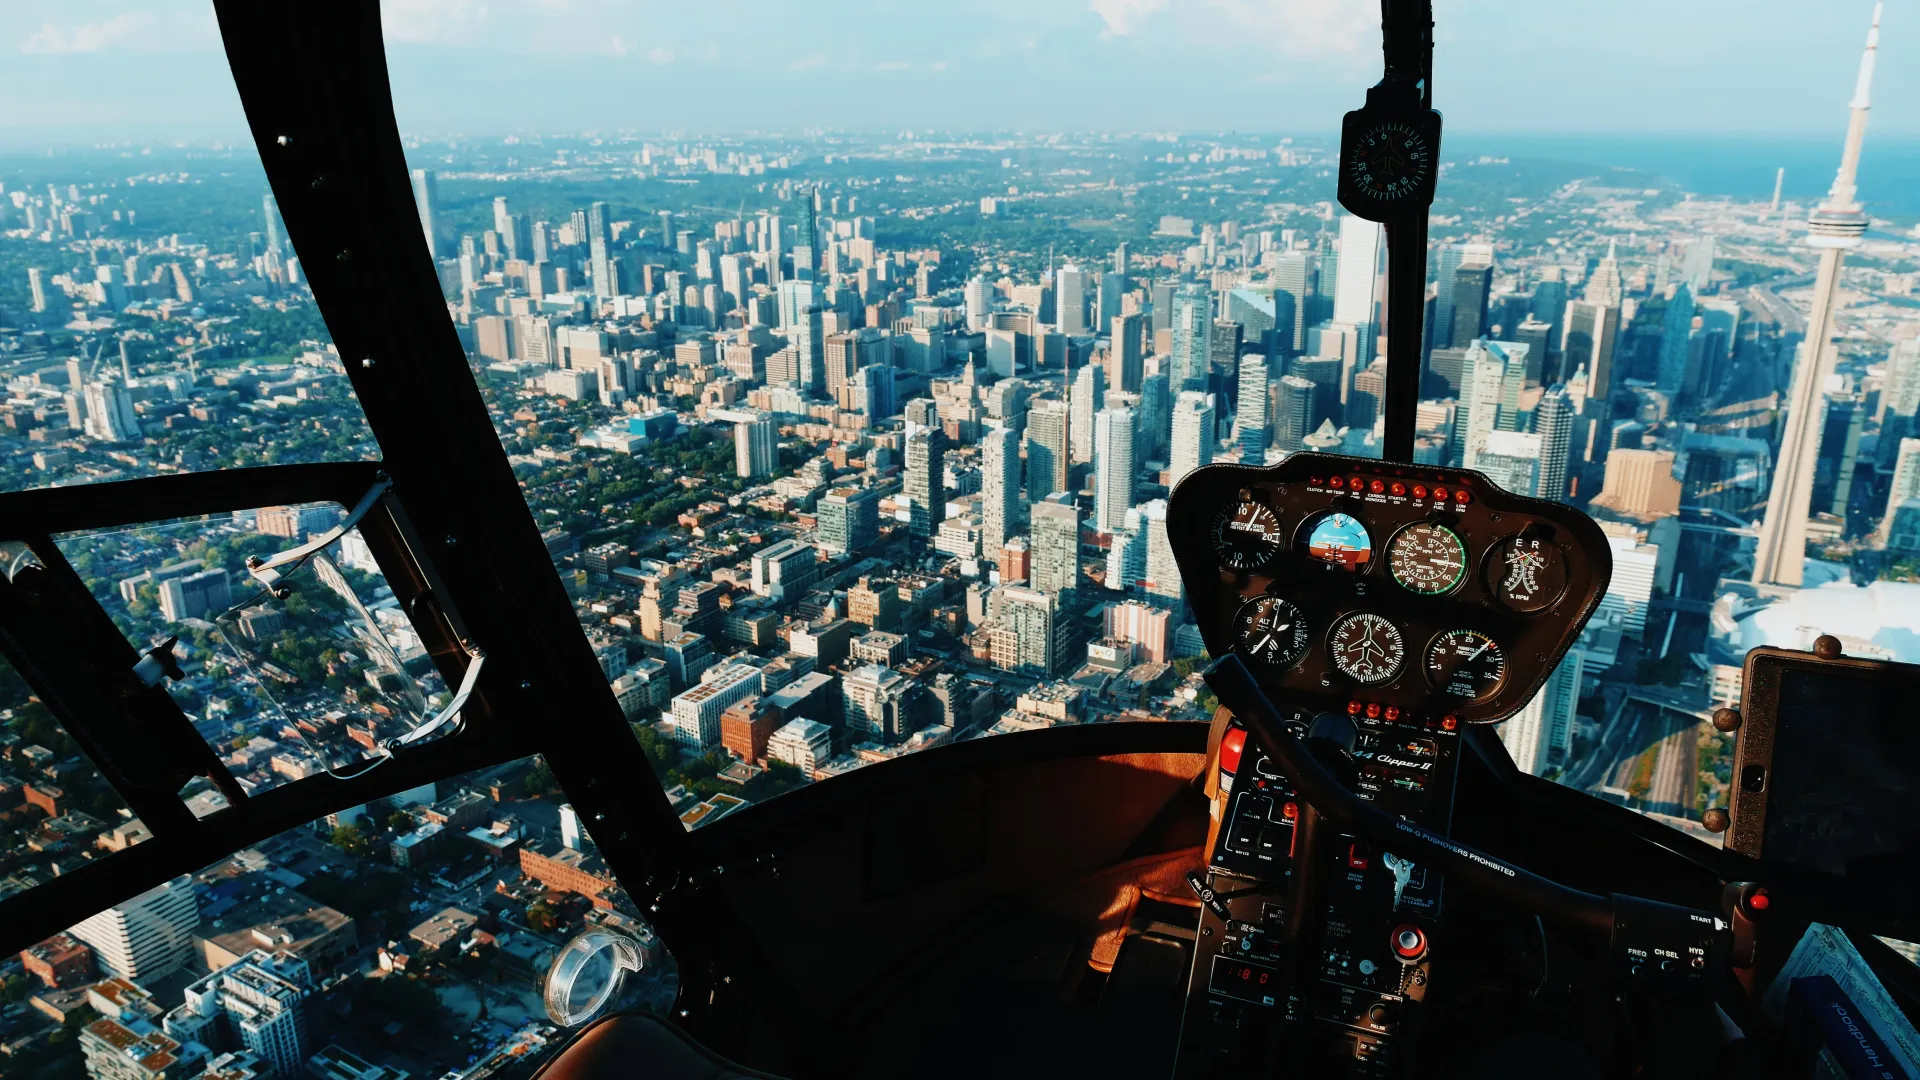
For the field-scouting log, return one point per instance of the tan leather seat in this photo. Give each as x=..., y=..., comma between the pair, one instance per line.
x=641, y=1046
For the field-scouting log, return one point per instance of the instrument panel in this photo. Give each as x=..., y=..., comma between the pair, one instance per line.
x=1411, y=588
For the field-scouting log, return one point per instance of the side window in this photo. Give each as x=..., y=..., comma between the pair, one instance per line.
x=411, y=934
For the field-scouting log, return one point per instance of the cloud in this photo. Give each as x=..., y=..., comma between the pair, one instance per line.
x=937, y=65
x=1123, y=17
x=809, y=62
x=892, y=65
x=659, y=55
x=443, y=22
x=125, y=29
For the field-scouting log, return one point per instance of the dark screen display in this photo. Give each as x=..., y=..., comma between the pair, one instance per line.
x=1239, y=979
x=1844, y=797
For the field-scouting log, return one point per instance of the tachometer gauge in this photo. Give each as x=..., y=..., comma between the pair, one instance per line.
x=1428, y=559
x=1271, y=631
x=1466, y=665
x=1367, y=648
x=1246, y=535
x=1526, y=573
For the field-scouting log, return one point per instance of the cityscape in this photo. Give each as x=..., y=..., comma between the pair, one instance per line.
x=848, y=445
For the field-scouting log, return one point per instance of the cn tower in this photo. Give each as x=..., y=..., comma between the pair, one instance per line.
x=1834, y=226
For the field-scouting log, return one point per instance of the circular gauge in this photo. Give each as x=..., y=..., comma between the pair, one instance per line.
x=1246, y=535
x=1271, y=631
x=1340, y=540
x=1367, y=648
x=1428, y=559
x=1526, y=573
x=1466, y=664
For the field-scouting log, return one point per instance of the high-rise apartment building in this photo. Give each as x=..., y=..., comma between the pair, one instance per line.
x=1047, y=454
x=147, y=937
x=848, y=520
x=1003, y=512
x=1193, y=435
x=426, y=200
x=1511, y=459
x=1471, y=286
x=1359, y=270
x=600, y=251
x=1125, y=359
x=755, y=446
x=1192, y=339
x=259, y=1002
x=1070, y=299
x=1250, y=429
x=1055, y=544
x=926, y=484
x=1292, y=399
x=1553, y=422
x=1113, y=466
x=1587, y=342
x=1089, y=395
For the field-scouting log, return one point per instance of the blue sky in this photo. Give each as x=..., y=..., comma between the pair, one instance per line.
x=90, y=70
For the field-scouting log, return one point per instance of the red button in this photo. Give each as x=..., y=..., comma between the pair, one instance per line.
x=1336, y=481
x=1398, y=488
x=1353, y=708
x=1373, y=710
x=1460, y=496
x=1393, y=712
x=1377, y=486
x=1408, y=942
x=1448, y=723
x=1355, y=483
x=1759, y=901
x=1290, y=811
x=1355, y=859
x=1419, y=491
x=1440, y=494
x=1232, y=745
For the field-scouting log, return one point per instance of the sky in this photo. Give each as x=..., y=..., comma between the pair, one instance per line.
x=83, y=71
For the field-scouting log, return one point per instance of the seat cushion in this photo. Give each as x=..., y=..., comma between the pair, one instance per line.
x=639, y=1046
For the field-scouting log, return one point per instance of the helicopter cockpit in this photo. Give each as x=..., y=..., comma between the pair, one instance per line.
x=475, y=636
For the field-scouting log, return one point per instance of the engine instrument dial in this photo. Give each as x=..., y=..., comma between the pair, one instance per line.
x=1427, y=558
x=1246, y=535
x=1466, y=665
x=1527, y=573
x=1271, y=631
x=1367, y=648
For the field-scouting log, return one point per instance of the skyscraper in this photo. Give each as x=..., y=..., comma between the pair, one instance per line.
x=1834, y=226
x=1192, y=339
x=755, y=452
x=1675, y=327
x=1250, y=412
x=599, y=251
x=270, y=211
x=1489, y=378
x=1046, y=448
x=1553, y=422
x=1113, y=468
x=426, y=199
x=1193, y=435
x=926, y=484
x=1324, y=373
x=1605, y=287
x=848, y=521
x=1002, y=512
x=263, y=998
x=146, y=937
x=1471, y=285
x=1588, y=342
x=1125, y=362
x=1293, y=288
x=1150, y=430
x=1511, y=459
x=1056, y=544
x=1293, y=399
x=1031, y=618
x=976, y=297
x=1905, y=485
x=1089, y=393
x=1070, y=299
x=1353, y=298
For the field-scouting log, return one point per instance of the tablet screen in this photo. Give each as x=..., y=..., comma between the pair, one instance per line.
x=1844, y=797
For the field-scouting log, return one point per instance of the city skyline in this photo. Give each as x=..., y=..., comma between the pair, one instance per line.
x=1291, y=65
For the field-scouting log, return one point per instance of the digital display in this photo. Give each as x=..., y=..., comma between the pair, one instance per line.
x=1340, y=539
x=1844, y=797
x=1246, y=981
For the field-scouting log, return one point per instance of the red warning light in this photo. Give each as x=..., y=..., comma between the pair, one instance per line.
x=1353, y=708
x=1448, y=723
x=1336, y=481
x=1439, y=494
x=1373, y=710
x=1393, y=712
x=1377, y=487
x=1419, y=491
x=1356, y=483
x=1398, y=488
x=1461, y=496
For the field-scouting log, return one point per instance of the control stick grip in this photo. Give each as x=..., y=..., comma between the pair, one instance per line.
x=1235, y=686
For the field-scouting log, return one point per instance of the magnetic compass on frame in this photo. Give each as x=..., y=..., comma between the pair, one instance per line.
x=1389, y=157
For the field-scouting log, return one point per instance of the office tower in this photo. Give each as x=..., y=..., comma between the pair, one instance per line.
x=1359, y=269
x=1070, y=299
x=1535, y=335
x=1089, y=392
x=809, y=339
x=1513, y=460
x=426, y=200
x=877, y=392
x=1490, y=385
x=1192, y=339
x=1055, y=543
x=1587, y=342
x=1676, y=327
x=1640, y=483
x=1605, y=286
x=503, y=226
x=1002, y=512
x=37, y=288
x=1151, y=427
x=1839, y=453
x=1292, y=407
x=1834, y=226
x=805, y=205
x=977, y=295
x=1295, y=281
x=926, y=484
x=1527, y=736
x=1250, y=412
x=270, y=212
x=840, y=360
x=1047, y=454
x=847, y=521
x=1030, y=620
x=1113, y=465
x=1696, y=266
x=1324, y=373
x=1107, y=298
x=1160, y=300
x=1553, y=422
x=147, y=937
x=1630, y=593
x=755, y=452
x=1125, y=358
x=1905, y=484
x=1471, y=286
x=599, y=251
x=1193, y=435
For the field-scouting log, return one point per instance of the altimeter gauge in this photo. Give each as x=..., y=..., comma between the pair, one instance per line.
x=1271, y=631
